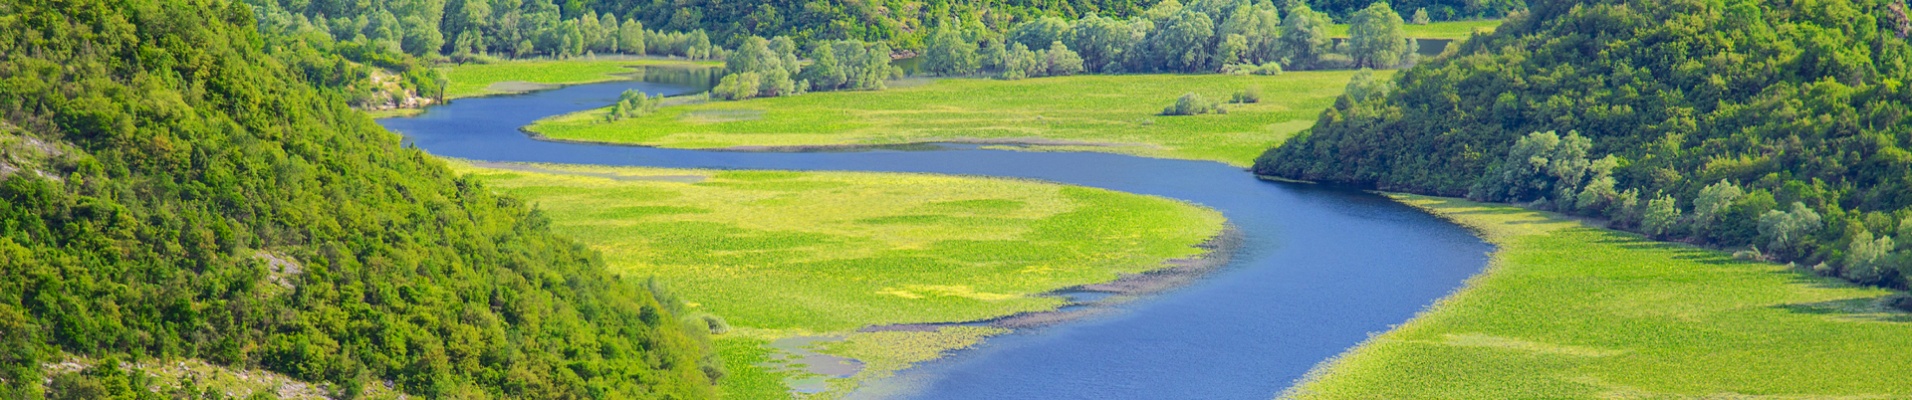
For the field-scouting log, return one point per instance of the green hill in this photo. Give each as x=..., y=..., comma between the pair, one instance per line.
x=1777, y=126
x=172, y=185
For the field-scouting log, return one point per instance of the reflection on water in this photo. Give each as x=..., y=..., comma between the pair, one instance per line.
x=697, y=78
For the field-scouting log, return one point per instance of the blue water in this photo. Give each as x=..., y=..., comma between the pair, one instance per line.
x=1319, y=269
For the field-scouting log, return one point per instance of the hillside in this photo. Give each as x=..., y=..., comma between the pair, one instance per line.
x=169, y=188
x=1775, y=126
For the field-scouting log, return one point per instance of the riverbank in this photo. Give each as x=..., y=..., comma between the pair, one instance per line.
x=800, y=254
x=1571, y=311
x=1100, y=113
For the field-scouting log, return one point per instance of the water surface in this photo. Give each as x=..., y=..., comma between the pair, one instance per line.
x=1318, y=270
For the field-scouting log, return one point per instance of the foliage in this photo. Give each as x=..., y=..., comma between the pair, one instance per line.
x=632, y=104
x=949, y=54
x=771, y=63
x=848, y=65
x=1376, y=39
x=465, y=28
x=1438, y=10
x=1420, y=17
x=219, y=200
x=1571, y=311
x=1193, y=104
x=1305, y=36
x=1270, y=68
x=479, y=79
x=1801, y=105
x=1085, y=113
x=1247, y=96
x=737, y=86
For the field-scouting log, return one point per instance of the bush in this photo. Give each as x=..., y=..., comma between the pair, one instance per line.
x=1193, y=104
x=634, y=104
x=1250, y=95
x=1267, y=68
x=737, y=86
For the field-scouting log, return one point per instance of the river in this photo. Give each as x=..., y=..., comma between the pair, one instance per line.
x=1317, y=271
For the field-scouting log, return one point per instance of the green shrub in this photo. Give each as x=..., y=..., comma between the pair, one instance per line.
x=1250, y=95
x=1193, y=104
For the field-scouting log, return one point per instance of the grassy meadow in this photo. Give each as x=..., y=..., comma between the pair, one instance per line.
x=468, y=80
x=1570, y=311
x=1436, y=30
x=1111, y=113
x=806, y=253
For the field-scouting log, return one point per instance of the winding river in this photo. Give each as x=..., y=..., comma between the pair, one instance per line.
x=1318, y=269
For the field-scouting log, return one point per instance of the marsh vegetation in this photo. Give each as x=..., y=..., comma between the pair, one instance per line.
x=1568, y=310
x=805, y=253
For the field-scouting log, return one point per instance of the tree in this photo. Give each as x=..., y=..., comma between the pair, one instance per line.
x=1040, y=32
x=824, y=71
x=1662, y=215
x=1539, y=167
x=1304, y=35
x=1101, y=42
x=949, y=54
x=1061, y=61
x=630, y=37
x=1420, y=17
x=1869, y=259
x=1259, y=26
x=737, y=86
x=1714, y=200
x=1376, y=38
x=1788, y=230
x=1182, y=45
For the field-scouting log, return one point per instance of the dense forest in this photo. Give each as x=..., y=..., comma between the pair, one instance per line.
x=1205, y=36
x=1779, y=127
x=702, y=28
x=174, y=183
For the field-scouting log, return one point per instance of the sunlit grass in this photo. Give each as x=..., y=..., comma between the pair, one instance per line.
x=1569, y=311
x=781, y=253
x=468, y=80
x=1113, y=113
x=1437, y=30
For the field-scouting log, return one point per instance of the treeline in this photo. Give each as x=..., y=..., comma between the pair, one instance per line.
x=1436, y=10
x=464, y=28
x=770, y=67
x=1203, y=36
x=169, y=188
x=1232, y=36
x=1777, y=127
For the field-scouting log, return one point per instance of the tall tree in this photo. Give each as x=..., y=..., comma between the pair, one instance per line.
x=949, y=53
x=1376, y=37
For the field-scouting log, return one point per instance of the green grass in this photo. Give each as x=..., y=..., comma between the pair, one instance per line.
x=1569, y=311
x=1437, y=30
x=794, y=253
x=467, y=80
x=1112, y=113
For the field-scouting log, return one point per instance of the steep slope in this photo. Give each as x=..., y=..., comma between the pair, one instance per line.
x=171, y=189
x=1780, y=125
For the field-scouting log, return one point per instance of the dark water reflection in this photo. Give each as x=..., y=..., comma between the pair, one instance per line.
x=1319, y=268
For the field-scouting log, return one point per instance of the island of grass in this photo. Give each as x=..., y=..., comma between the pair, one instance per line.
x=1110, y=113
x=807, y=254
x=1570, y=311
x=518, y=76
